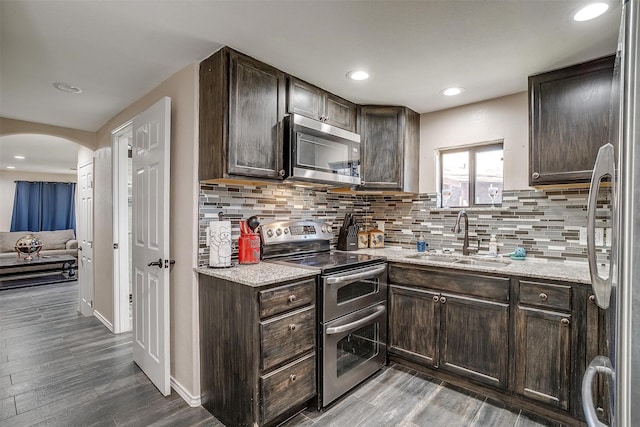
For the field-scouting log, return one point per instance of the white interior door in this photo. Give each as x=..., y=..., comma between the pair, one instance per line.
x=85, y=238
x=150, y=246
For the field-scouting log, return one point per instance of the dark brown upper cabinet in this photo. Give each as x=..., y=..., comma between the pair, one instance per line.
x=390, y=147
x=568, y=121
x=313, y=102
x=242, y=104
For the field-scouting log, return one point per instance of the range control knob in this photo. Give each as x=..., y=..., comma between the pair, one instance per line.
x=324, y=229
x=269, y=233
x=286, y=231
x=278, y=232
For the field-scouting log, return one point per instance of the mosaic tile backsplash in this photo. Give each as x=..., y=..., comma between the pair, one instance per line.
x=546, y=223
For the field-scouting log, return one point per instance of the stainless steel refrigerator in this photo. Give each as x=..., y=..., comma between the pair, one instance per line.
x=618, y=292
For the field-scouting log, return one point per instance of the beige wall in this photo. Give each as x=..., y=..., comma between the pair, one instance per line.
x=8, y=188
x=183, y=90
x=13, y=127
x=500, y=118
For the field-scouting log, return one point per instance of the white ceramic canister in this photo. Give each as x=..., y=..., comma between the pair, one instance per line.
x=219, y=239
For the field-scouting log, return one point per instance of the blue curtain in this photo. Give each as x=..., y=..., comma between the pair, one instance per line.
x=44, y=206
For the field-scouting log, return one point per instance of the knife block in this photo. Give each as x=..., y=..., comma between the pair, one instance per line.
x=348, y=239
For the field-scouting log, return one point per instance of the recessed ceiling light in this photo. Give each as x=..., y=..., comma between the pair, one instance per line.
x=66, y=87
x=357, y=75
x=452, y=91
x=11, y=167
x=591, y=11
x=19, y=157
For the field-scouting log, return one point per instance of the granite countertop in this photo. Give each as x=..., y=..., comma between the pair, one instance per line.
x=261, y=274
x=266, y=273
x=575, y=272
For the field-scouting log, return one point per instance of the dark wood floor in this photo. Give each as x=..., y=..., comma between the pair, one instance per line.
x=58, y=368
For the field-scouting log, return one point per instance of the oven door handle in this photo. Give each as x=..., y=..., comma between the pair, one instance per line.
x=355, y=325
x=356, y=276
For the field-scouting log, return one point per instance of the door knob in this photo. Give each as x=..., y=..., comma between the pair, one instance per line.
x=156, y=263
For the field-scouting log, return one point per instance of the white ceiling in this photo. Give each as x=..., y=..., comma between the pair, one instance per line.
x=42, y=153
x=117, y=51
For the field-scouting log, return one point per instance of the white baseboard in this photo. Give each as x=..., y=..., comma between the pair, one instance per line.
x=193, y=401
x=103, y=320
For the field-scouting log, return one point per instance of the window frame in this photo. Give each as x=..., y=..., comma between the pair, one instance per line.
x=472, y=150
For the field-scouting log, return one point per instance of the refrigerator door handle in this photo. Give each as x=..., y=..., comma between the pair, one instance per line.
x=604, y=168
x=599, y=365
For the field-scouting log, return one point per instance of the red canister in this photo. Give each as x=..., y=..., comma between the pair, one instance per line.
x=249, y=248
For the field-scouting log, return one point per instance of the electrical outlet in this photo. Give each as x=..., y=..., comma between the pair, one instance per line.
x=583, y=235
x=599, y=236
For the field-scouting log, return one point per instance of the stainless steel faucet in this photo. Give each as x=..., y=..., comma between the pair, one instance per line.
x=466, y=250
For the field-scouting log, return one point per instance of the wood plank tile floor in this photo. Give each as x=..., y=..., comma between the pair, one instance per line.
x=58, y=368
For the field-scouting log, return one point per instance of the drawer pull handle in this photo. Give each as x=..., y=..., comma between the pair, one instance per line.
x=292, y=377
x=292, y=327
x=443, y=300
x=592, y=298
x=436, y=298
x=292, y=298
x=543, y=296
x=565, y=322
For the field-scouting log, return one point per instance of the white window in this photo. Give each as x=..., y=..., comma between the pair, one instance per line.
x=471, y=176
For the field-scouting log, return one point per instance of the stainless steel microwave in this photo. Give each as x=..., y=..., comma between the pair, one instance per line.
x=318, y=152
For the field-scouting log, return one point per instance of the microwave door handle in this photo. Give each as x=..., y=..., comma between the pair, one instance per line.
x=604, y=167
x=355, y=325
x=599, y=365
x=357, y=276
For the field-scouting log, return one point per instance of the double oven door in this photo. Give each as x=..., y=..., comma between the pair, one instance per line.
x=353, y=329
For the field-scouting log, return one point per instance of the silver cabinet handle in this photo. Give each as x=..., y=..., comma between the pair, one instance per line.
x=355, y=325
x=353, y=277
x=291, y=298
x=599, y=365
x=603, y=168
x=436, y=298
x=543, y=296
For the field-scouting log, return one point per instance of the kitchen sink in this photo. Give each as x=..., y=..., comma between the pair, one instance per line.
x=430, y=257
x=483, y=262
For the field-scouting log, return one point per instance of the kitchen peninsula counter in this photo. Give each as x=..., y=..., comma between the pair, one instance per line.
x=257, y=275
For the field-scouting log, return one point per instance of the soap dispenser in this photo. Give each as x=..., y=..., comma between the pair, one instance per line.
x=421, y=245
x=493, y=246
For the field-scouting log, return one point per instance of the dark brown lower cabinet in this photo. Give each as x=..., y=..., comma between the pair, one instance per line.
x=464, y=335
x=257, y=349
x=543, y=355
x=474, y=339
x=414, y=324
x=526, y=342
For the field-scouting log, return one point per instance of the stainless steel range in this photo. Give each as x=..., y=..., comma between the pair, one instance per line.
x=352, y=303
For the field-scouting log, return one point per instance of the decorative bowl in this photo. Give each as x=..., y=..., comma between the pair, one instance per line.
x=28, y=245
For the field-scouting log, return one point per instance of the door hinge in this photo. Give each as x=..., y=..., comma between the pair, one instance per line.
x=91, y=303
x=116, y=246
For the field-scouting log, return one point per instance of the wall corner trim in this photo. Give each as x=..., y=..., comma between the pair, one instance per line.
x=103, y=320
x=193, y=401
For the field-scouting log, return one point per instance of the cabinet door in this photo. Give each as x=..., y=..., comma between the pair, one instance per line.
x=568, y=121
x=305, y=99
x=382, y=133
x=543, y=356
x=414, y=322
x=474, y=339
x=596, y=334
x=340, y=112
x=256, y=110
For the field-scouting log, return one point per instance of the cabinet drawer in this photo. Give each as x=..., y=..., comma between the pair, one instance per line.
x=545, y=295
x=287, y=387
x=285, y=298
x=472, y=284
x=287, y=337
